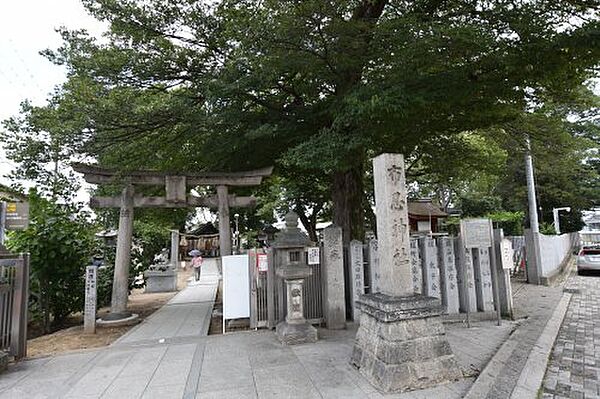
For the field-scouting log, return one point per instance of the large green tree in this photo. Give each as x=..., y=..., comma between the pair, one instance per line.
x=315, y=85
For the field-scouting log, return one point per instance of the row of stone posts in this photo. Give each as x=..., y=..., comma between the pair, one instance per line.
x=461, y=278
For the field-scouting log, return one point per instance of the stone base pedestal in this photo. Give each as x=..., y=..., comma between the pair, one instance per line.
x=3, y=361
x=293, y=334
x=159, y=281
x=130, y=320
x=401, y=344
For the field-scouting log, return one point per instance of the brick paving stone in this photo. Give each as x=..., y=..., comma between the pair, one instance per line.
x=573, y=369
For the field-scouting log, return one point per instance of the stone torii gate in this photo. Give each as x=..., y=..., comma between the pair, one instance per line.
x=176, y=189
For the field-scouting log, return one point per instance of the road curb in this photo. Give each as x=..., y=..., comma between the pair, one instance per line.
x=535, y=366
x=532, y=374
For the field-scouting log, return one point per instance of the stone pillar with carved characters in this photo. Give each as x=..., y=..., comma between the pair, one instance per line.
x=401, y=344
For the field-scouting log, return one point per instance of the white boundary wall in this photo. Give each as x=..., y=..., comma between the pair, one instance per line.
x=554, y=251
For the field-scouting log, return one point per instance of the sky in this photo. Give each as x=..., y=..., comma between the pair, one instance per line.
x=26, y=28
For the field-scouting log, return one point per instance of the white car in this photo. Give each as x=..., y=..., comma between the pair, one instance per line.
x=588, y=258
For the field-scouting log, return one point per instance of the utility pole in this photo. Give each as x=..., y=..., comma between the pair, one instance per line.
x=533, y=216
x=2, y=224
x=2, y=221
x=534, y=256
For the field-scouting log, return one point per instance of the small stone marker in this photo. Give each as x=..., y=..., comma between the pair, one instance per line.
x=374, y=265
x=449, y=284
x=400, y=344
x=483, y=280
x=431, y=272
x=333, y=271
x=506, y=254
x=89, y=318
x=356, y=275
x=416, y=267
x=175, y=250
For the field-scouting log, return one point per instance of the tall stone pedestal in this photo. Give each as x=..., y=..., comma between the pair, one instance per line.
x=401, y=344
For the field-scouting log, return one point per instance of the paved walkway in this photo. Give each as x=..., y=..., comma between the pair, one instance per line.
x=237, y=365
x=187, y=314
x=534, y=305
x=170, y=356
x=574, y=367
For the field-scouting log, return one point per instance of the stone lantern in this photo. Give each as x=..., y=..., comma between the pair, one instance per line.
x=289, y=248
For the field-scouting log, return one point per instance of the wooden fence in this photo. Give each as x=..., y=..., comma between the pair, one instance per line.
x=14, y=292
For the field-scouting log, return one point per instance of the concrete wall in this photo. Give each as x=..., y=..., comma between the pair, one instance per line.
x=554, y=251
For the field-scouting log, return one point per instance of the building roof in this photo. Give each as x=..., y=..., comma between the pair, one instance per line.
x=206, y=229
x=424, y=207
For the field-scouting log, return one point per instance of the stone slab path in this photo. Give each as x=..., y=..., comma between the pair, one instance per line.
x=237, y=365
x=574, y=367
x=187, y=314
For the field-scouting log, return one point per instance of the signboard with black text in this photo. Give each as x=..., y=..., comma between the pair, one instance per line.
x=476, y=233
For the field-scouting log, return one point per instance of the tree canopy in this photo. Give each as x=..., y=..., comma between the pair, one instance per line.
x=317, y=87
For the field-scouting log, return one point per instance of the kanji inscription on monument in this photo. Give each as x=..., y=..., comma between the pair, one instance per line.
x=89, y=319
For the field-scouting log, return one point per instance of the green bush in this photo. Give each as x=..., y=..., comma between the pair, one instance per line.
x=510, y=222
x=60, y=240
x=547, y=229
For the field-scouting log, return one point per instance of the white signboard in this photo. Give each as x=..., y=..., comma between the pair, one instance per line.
x=89, y=318
x=313, y=256
x=476, y=233
x=263, y=262
x=236, y=287
x=507, y=252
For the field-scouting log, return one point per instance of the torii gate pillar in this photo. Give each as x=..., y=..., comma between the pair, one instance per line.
x=118, y=307
x=224, y=224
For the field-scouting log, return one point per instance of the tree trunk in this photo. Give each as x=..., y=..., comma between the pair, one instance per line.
x=347, y=194
x=309, y=224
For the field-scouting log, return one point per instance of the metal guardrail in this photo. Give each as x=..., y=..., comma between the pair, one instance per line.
x=14, y=293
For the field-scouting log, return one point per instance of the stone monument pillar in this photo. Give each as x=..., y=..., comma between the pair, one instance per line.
x=334, y=299
x=373, y=266
x=357, y=276
x=292, y=268
x=416, y=267
x=401, y=343
x=175, y=249
x=483, y=280
x=449, y=284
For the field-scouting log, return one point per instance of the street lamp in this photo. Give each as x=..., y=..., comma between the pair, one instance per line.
x=556, y=219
